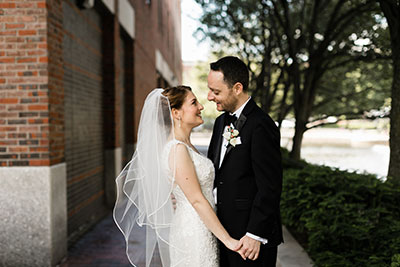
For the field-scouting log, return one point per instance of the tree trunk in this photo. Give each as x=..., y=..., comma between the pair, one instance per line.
x=394, y=163
x=303, y=103
x=300, y=128
x=391, y=9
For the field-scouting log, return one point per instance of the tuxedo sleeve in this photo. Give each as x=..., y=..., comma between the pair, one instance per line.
x=267, y=168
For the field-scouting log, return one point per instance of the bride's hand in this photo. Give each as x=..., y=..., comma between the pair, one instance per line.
x=233, y=244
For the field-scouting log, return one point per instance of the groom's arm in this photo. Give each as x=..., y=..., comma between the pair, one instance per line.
x=266, y=164
x=267, y=168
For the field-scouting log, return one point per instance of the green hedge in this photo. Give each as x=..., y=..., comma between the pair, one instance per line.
x=342, y=218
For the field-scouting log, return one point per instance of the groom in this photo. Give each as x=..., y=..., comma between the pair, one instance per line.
x=247, y=160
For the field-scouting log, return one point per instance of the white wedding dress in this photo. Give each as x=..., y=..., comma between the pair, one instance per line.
x=191, y=243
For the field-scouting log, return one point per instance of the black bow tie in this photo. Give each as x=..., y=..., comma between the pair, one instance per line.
x=229, y=119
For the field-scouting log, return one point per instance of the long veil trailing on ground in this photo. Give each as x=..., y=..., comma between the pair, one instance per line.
x=145, y=184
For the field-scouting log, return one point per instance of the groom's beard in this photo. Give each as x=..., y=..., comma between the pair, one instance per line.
x=229, y=104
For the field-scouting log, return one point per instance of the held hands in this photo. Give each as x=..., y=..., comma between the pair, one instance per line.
x=249, y=248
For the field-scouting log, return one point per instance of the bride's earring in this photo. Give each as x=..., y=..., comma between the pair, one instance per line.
x=179, y=123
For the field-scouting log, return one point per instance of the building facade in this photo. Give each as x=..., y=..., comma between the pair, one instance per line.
x=73, y=79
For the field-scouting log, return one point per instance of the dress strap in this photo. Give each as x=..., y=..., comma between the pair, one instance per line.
x=176, y=141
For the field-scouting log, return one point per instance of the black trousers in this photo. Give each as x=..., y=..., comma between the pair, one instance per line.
x=266, y=258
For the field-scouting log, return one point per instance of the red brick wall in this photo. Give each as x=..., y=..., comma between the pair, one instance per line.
x=169, y=36
x=149, y=37
x=144, y=54
x=86, y=67
x=24, y=99
x=31, y=74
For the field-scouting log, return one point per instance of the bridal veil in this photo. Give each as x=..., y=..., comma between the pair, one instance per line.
x=145, y=184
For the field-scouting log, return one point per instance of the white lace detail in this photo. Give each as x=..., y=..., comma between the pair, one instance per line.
x=188, y=231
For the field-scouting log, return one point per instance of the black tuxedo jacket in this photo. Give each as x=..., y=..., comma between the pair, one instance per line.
x=249, y=181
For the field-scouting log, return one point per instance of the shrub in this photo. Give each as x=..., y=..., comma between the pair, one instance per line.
x=395, y=261
x=344, y=219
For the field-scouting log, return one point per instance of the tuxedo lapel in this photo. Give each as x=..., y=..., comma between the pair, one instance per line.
x=240, y=122
x=217, y=148
x=239, y=125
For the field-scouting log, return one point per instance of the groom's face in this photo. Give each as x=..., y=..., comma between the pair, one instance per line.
x=220, y=93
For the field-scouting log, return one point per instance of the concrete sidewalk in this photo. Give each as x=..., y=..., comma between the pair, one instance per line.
x=104, y=246
x=291, y=254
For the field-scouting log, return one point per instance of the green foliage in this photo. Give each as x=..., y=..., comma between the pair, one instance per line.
x=346, y=219
x=363, y=87
x=395, y=261
x=319, y=48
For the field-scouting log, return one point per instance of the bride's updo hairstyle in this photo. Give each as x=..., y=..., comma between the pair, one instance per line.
x=176, y=95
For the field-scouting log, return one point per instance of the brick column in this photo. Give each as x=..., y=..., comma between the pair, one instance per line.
x=23, y=95
x=33, y=172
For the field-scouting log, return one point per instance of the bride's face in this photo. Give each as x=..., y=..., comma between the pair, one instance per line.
x=191, y=111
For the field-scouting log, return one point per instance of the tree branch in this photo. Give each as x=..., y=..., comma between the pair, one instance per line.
x=357, y=59
x=338, y=97
x=349, y=115
x=312, y=26
x=321, y=124
x=336, y=27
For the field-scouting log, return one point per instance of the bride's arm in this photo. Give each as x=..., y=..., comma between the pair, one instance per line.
x=186, y=178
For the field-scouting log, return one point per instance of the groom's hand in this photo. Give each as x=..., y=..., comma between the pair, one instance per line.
x=250, y=247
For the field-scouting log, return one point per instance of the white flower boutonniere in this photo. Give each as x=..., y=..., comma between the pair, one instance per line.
x=232, y=135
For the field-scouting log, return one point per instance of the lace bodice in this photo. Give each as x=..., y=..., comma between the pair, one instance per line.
x=205, y=174
x=189, y=232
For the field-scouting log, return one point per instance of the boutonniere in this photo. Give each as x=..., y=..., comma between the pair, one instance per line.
x=232, y=135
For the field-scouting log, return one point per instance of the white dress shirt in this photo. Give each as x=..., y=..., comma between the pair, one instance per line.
x=222, y=155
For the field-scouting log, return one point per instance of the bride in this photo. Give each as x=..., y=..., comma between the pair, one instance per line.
x=166, y=168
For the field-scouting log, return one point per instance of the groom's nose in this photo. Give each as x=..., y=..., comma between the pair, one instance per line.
x=210, y=96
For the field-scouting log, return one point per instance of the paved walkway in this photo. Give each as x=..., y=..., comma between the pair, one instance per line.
x=104, y=246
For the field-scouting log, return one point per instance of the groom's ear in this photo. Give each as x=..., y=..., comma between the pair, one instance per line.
x=237, y=88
